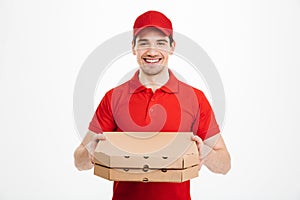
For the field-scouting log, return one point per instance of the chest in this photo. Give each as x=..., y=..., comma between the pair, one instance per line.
x=159, y=111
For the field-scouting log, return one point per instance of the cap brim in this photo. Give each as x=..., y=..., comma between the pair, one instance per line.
x=167, y=32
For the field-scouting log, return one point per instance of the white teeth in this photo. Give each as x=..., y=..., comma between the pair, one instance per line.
x=152, y=60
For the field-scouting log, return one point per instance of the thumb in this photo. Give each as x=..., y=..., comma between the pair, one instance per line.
x=95, y=140
x=100, y=137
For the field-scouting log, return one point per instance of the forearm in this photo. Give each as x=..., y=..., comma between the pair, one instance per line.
x=218, y=161
x=82, y=158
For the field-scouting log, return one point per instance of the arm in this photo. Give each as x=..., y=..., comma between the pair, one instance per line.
x=84, y=153
x=214, y=154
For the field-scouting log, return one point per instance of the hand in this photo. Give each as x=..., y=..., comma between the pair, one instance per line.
x=203, y=148
x=92, y=144
x=199, y=142
x=84, y=153
x=200, y=145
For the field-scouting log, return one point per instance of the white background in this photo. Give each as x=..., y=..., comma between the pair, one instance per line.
x=254, y=44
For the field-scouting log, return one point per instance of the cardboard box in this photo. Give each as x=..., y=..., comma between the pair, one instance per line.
x=147, y=157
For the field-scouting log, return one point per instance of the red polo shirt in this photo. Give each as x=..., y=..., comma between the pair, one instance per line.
x=175, y=107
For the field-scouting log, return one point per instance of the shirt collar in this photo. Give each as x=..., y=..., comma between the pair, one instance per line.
x=171, y=86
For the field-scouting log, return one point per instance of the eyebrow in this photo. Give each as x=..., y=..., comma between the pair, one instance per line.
x=146, y=40
x=143, y=40
x=162, y=40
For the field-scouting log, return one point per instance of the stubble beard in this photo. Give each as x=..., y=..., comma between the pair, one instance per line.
x=152, y=72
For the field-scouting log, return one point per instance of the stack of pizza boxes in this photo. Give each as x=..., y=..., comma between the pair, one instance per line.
x=147, y=157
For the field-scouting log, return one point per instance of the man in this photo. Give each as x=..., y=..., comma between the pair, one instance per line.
x=154, y=100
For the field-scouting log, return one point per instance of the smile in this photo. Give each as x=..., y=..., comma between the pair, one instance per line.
x=150, y=60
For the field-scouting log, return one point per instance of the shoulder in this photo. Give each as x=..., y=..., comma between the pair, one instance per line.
x=118, y=90
x=184, y=88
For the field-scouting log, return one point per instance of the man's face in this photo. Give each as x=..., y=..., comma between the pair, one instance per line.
x=152, y=50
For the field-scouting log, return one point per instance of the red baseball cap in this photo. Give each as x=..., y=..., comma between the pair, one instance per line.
x=153, y=19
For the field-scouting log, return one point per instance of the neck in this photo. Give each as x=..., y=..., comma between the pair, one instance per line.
x=154, y=81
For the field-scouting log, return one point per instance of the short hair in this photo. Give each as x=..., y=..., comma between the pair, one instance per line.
x=135, y=36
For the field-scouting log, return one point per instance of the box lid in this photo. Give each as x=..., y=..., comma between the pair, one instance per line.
x=147, y=150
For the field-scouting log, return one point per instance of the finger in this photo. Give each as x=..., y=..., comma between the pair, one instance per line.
x=200, y=164
x=97, y=137
x=196, y=138
x=92, y=159
x=100, y=137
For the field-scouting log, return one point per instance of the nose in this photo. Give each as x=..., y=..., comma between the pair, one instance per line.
x=152, y=51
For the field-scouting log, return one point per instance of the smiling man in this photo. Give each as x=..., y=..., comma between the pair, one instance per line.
x=155, y=100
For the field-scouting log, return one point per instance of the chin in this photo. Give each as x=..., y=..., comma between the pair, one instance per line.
x=152, y=70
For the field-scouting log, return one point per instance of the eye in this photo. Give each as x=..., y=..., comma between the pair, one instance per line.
x=143, y=44
x=161, y=43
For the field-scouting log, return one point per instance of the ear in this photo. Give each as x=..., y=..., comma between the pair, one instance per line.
x=133, y=48
x=172, y=47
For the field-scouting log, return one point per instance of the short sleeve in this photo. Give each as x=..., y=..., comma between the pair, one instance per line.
x=205, y=124
x=103, y=119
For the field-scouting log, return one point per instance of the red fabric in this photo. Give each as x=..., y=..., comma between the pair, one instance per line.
x=153, y=19
x=175, y=107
